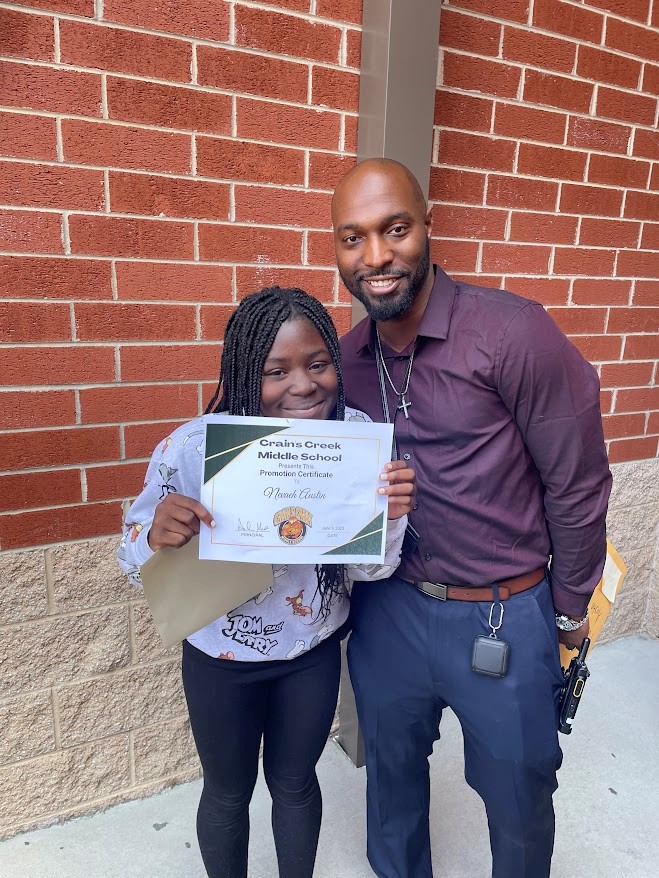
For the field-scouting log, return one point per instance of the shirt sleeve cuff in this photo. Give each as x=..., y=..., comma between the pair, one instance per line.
x=142, y=551
x=396, y=528
x=569, y=603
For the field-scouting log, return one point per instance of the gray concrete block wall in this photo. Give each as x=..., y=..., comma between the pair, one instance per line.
x=632, y=525
x=91, y=704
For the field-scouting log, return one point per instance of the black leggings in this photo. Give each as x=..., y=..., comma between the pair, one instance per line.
x=232, y=706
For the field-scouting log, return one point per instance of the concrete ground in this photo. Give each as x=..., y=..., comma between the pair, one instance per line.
x=607, y=804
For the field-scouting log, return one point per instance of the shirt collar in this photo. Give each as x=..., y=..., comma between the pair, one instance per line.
x=436, y=318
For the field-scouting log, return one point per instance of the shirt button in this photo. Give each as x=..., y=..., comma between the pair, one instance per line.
x=415, y=507
x=406, y=456
x=428, y=556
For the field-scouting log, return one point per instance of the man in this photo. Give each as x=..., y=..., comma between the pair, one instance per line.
x=498, y=413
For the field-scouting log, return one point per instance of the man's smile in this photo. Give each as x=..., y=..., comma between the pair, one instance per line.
x=383, y=284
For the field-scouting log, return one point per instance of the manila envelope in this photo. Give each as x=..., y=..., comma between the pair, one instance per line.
x=602, y=599
x=185, y=594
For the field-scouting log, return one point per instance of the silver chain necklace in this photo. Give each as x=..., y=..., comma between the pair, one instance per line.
x=403, y=404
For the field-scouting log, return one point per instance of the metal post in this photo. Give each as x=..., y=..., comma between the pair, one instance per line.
x=400, y=44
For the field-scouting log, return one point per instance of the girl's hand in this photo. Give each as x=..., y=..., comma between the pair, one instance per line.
x=401, y=488
x=176, y=521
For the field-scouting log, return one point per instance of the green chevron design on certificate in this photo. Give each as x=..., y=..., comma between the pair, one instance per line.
x=294, y=491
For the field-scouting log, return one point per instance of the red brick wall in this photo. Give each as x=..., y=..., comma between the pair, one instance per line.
x=163, y=159
x=546, y=179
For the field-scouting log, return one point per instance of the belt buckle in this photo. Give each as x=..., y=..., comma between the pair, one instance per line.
x=435, y=590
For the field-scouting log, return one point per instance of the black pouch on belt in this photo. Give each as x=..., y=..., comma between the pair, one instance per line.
x=490, y=654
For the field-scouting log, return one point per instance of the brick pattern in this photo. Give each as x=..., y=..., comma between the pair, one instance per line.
x=158, y=162
x=545, y=180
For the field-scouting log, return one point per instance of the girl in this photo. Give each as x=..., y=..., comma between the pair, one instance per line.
x=270, y=669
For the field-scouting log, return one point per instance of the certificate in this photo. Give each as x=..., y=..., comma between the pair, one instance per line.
x=294, y=491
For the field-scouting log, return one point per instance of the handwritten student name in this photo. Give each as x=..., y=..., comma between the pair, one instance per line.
x=302, y=494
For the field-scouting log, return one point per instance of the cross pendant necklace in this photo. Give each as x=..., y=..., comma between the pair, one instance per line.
x=403, y=404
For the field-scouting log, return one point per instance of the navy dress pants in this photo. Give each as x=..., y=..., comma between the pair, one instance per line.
x=409, y=657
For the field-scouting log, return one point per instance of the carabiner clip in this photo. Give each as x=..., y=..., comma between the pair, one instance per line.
x=496, y=627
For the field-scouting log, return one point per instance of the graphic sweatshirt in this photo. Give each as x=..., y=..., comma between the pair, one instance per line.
x=284, y=620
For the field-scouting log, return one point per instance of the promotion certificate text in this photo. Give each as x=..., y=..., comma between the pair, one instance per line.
x=294, y=491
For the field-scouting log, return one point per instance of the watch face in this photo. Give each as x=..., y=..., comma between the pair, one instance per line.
x=567, y=624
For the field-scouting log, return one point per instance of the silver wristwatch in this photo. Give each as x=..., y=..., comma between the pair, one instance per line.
x=566, y=624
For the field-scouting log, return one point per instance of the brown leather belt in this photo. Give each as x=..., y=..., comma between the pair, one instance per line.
x=466, y=593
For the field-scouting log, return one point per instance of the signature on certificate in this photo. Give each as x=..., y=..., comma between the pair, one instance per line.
x=252, y=528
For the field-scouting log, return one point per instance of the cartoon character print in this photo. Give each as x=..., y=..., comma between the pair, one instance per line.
x=250, y=631
x=296, y=650
x=121, y=554
x=277, y=571
x=166, y=444
x=324, y=632
x=199, y=448
x=166, y=473
x=262, y=595
x=132, y=531
x=297, y=604
x=133, y=573
x=357, y=416
x=299, y=646
x=228, y=656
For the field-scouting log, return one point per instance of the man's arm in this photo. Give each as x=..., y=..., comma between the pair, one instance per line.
x=552, y=393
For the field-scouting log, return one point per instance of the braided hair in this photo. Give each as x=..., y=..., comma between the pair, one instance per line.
x=248, y=338
x=250, y=334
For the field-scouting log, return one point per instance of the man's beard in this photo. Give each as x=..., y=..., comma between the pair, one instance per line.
x=394, y=304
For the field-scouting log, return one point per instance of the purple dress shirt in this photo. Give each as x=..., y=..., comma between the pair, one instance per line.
x=505, y=436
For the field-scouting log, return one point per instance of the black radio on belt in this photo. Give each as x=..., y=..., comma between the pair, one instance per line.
x=575, y=680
